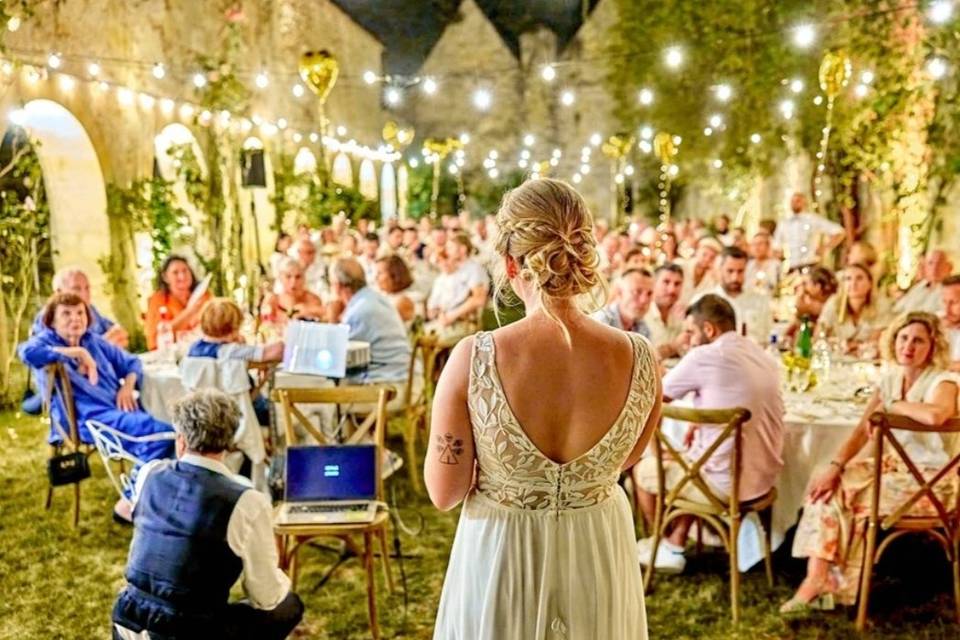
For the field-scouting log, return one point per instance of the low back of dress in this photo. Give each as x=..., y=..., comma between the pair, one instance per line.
x=514, y=473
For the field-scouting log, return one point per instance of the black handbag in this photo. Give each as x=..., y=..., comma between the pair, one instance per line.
x=73, y=466
x=68, y=468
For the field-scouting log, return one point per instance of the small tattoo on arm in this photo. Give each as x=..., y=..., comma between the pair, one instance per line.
x=449, y=448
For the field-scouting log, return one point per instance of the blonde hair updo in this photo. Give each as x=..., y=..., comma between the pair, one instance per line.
x=546, y=227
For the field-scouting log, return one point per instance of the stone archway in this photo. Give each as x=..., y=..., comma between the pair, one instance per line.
x=79, y=228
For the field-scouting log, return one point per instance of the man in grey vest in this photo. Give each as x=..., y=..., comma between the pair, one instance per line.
x=197, y=529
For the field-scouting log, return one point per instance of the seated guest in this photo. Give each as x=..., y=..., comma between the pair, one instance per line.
x=372, y=318
x=698, y=276
x=280, y=251
x=664, y=319
x=102, y=375
x=856, y=315
x=460, y=292
x=172, y=305
x=395, y=241
x=368, y=256
x=394, y=280
x=350, y=245
x=197, y=529
x=862, y=252
x=754, y=314
x=634, y=290
x=763, y=270
x=412, y=244
x=723, y=370
x=293, y=300
x=73, y=280
x=951, y=318
x=925, y=294
x=838, y=502
x=815, y=288
x=314, y=271
x=667, y=247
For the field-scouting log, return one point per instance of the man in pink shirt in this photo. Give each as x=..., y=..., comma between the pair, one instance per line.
x=723, y=371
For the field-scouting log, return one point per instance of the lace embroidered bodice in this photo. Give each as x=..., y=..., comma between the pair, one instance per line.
x=513, y=472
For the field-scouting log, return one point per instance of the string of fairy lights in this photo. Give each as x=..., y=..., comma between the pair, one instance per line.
x=69, y=70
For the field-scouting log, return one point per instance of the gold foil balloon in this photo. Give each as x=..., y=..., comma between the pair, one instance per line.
x=405, y=136
x=618, y=146
x=664, y=147
x=319, y=69
x=442, y=147
x=396, y=136
x=835, y=72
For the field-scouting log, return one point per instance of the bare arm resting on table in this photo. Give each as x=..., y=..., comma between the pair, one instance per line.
x=448, y=468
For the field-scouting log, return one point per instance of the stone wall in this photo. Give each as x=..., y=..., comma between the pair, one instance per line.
x=129, y=37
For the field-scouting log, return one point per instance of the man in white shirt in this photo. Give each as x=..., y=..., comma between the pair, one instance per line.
x=763, y=270
x=925, y=295
x=951, y=318
x=314, y=271
x=804, y=237
x=634, y=290
x=753, y=310
x=664, y=319
x=197, y=529
x=368, y=256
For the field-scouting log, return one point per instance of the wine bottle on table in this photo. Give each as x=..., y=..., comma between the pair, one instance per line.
x=805, y=338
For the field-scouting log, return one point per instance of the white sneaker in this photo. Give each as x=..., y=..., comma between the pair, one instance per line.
x=667, y=561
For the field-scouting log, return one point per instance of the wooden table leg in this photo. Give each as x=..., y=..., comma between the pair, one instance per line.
x=385, y=557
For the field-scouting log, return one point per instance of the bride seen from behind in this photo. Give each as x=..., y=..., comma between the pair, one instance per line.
x=532, y=425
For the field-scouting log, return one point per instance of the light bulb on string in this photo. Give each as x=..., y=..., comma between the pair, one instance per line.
x=369, y=76
x=646, y=132
x=718, y=163
x=199, y=80
x=67, y=83
x=314, y=137
x=166, y=106
x=866, y=76
x=567, y=97
x=146, y=101
x=796, y=85
x=548, y=73
x=159, y=71
x=482, y=99
x=596, y=139
x=645, y=97
x=93, y=69
x=940, y=11
x=786, y=109
x=297, y=90
x=755, y=138
x=716, y=121
x=464, y=138
x=393, y=96
x=804, y=35
x=429, y=86
x=673, y=57
x=14, y=23
x=723, y=92
x=341, y=130
x=54, y=60
x=528, y=140
x=262, y=80
x=937, y=68
x=577, y=178
x=861, y=90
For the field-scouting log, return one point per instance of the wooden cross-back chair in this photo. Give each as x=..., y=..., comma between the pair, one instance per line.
x=417, y=402
x=264, y=376
x=723, y=514
x=291, y=537
x=944, y=527
x=58, y=381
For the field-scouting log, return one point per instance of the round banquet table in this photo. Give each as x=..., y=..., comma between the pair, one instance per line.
x=816, y=423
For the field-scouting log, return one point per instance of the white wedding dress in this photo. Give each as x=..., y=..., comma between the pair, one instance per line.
x=545, y=550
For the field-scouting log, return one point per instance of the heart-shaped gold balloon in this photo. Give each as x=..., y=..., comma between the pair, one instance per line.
x=319, y=69
x=405, y=136
x=618, y=146
x=443, y=147
x=396, y=136
x=664, y=147
x=835, y=72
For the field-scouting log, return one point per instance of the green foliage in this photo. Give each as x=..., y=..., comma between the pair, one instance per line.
x=148, y=204
x=325, y=200
x=25, y=253
x=224, y=90
x=484, y=195
x=419, y=188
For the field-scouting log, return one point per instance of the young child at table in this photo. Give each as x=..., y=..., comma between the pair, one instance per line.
x=220, y=323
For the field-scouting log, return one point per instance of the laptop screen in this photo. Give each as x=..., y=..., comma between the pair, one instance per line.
x=324, y=473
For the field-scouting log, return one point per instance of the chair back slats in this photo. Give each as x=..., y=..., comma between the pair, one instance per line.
x=372, y=428
x=884, y=426
x=733, y=420
x=59, y=380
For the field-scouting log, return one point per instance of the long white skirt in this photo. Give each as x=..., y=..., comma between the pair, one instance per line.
x=529, y=575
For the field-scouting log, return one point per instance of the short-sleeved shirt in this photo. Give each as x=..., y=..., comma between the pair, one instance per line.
x=953, y=337
x=610, y=316
x=450, y=290
x=663, y=331
x=372, y=318
x=923, y=296
x=753, y=312
x=924, y=447
x=733, y=371
x=797, y=236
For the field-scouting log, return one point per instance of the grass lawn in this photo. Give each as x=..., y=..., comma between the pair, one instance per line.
x=60, y=583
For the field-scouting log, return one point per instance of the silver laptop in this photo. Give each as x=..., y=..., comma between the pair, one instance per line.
x=334, y=484
x=316, y=348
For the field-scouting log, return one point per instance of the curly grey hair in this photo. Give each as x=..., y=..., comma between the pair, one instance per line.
x=208, y=420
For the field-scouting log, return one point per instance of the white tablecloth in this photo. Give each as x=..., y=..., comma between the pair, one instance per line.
x=816, y=426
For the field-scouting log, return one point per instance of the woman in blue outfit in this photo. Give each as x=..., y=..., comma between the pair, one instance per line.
x=103, y=378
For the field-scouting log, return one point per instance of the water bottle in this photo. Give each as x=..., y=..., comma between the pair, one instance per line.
x=805, y=338
x=165, y=338
x=820, y=360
